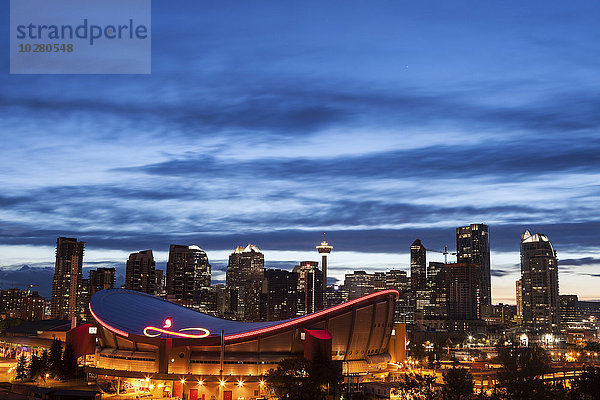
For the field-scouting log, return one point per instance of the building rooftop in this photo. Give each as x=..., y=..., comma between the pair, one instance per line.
x=127, y=312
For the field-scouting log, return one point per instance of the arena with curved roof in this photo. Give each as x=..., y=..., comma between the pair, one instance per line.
x=149, y=342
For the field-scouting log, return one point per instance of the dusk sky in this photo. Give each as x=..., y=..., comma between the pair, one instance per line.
x=271, y=122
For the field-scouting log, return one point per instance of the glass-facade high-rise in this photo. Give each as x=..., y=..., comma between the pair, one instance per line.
x=473, y=247
x=245, y=275
x=188, y=273
x=539, y=282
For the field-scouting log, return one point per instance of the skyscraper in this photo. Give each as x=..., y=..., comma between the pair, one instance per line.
x=418, y=276
x=463, y=291
x=67, y=278
x=310, y=287
x=358, y=284
x=473, y=246
x=519, y=297
x=539, y=280
x=279, y=298
x=245, y=274
x=188, y=272
x=140, y=272
x=436, y=291
x=569, y=310
x=418, y=266
x=101, y=278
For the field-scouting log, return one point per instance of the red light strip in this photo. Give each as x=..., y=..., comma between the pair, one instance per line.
x=104, y=324
x=205, y=332
x=309, y=317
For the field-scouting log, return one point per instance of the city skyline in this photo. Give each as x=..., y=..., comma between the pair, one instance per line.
x=271, y=124
x=346, y=265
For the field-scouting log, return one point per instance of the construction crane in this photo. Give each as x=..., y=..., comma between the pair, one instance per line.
x=444, y=252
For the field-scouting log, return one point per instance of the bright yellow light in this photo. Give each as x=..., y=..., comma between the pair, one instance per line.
x=552, y=353
x=47, y=376
x=222, y=383
x=262, y=383
x=147, y=379
x=577, y=354
x=200, y=383
x=240, y=383
x=160, y=385
x=151, y=386
x=182, y=381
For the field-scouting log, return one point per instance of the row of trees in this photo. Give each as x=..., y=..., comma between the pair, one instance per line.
x=54, y=363
x=519, y=379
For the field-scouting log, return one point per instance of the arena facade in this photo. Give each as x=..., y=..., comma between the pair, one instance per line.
x=151, y=345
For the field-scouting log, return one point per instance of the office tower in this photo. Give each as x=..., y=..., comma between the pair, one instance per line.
x=11, y=302
x=101, y=278
x=310, y=287
x=83, y=300
x=418, y=276
x=435, y=307
x=379, y=281
x=473, y=247
x=324, y=249
x=160, y=288
x=519, y=297
x=222, y=301
x=67, y=278
x=418, y=266
x=245, y=274
x=359, y=284
x=463, y=291
x=397, y=279
x=188, y=272
x=335, y=295
x=539, y=279
x=569, y=310
x=17, y=303
x=279, y=298
x=33, y=308
x=140, y=272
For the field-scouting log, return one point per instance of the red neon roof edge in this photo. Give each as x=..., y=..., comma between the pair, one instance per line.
x=104, y=324
x=309, y=317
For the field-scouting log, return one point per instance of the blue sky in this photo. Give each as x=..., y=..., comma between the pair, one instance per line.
x=272, y=122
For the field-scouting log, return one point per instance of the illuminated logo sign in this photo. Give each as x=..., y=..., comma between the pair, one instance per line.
x=92, y=330
x=153, y=331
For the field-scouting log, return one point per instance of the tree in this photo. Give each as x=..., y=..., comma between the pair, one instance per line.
x=416, y=386
x=69, y=363
x=290, y=380
x=44, y=361
x=458, y=384
x=299, y=378
x=522, y=370
x=55, y=365
x=587, y=385
x=35, y=368
x=21, y=369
